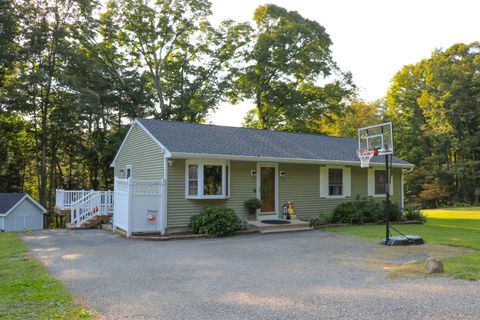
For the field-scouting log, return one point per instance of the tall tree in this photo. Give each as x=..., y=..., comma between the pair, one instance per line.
x=435, y=105
x=289, y=73
x=184, y=59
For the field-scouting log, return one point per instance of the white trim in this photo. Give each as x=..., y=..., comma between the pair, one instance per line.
x=200, y=179
x=267, y=165
x=27, y=196
x=165, y=196
x=135, y=122
x=402, y=195
x=183, y=155
x=325, y=182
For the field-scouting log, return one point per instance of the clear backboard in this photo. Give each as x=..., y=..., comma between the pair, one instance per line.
x=374, y=140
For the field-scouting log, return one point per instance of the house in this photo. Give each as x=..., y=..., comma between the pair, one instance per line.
x=207, y=165
x=20, y=212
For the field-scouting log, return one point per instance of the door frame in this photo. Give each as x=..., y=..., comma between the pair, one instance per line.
x=268, y=165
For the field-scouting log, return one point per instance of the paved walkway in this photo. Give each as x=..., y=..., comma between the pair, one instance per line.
x=305, y=275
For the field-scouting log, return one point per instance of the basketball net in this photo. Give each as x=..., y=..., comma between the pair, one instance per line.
x=365, y=155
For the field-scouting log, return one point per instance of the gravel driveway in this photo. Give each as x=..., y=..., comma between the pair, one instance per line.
x=303, y=275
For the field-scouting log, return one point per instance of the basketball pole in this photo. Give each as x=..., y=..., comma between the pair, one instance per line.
x=387, y=201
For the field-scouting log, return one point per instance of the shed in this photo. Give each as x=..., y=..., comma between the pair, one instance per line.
x=20, y=212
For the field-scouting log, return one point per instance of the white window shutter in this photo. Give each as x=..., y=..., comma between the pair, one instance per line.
x=371, y=182
x=347, y=182
x=391, y=184
x=323, y=181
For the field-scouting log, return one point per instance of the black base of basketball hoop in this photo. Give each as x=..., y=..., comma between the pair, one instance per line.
x=406, y=240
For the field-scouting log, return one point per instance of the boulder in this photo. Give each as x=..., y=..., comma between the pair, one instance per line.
x=433, y=265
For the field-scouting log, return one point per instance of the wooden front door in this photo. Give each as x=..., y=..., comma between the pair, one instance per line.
x=267, y=184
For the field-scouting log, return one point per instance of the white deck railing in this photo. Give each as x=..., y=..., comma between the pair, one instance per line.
x=65, y=198
x=95, y=203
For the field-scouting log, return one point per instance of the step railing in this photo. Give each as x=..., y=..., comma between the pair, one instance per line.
x=95, y=203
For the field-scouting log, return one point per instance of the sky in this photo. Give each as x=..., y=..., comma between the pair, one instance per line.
x=372, y=39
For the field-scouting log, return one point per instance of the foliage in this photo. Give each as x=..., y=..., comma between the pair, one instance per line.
x=357, y=114
x=358, y=212
x=452, y=227
x=412, y=213
x=435, y=107
x=365, y=211
x=219, y=221
x=288, y=57
x=27, y=290
x=322, y=219
x=252, y=203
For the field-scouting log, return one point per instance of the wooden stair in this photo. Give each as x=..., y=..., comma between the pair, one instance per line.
x=92, y=223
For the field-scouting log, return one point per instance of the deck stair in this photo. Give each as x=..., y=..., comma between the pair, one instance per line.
x=87, y=209
x=293, y=226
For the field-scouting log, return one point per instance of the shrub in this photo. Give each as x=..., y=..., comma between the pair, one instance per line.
x=219, y=221
x=252, y=203
x=322, y=219
x=411, y=213
x=363, y=211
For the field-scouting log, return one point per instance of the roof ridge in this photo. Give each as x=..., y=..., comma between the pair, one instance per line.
x=244, y=128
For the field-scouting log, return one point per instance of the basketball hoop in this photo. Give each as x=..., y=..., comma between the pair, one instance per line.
x=365, y=155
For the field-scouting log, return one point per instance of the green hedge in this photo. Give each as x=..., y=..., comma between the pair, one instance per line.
x=363, y=211
x=217, y=221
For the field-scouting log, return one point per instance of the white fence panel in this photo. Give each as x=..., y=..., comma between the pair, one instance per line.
x=139, y=205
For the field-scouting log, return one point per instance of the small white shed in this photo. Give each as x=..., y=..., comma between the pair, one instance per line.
x=20, y=212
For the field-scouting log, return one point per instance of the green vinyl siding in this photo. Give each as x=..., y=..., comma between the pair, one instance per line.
x=301, y=185
x=143, y=153
x=242, y=187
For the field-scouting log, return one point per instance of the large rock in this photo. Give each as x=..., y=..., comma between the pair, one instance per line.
x=433, y=265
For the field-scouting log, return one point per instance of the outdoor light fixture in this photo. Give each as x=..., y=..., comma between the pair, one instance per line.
x=170, y=162
x=253, y=172
x=283, y=173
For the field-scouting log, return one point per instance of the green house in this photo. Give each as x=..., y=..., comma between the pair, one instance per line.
x=202, y=165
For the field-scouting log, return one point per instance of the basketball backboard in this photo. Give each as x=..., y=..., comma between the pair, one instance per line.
x=377, y=138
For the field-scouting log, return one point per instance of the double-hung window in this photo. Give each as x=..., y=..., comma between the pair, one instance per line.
x=207, y=179
x=380, y=182
x=335, y=182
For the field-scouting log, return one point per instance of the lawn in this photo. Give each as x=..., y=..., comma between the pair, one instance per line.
x=28, y=291
x=459, y=227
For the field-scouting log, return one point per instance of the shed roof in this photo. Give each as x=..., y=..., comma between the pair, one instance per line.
x=204, y=139
x=9, y=200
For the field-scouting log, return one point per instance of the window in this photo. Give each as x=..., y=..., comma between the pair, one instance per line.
x=380, y=181
x=192, y=180
x=335, y=182
x=207, y=179
x=128, y=171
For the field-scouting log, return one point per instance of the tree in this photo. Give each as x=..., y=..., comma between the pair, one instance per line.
x=358, y=114
x=183, y=58
x=435, y=105
x=283, y=70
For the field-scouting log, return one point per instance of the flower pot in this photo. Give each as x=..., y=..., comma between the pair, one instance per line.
x=252, y=211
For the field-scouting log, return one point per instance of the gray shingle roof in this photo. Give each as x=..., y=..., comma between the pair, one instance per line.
x=186, y=137
x=8, y=200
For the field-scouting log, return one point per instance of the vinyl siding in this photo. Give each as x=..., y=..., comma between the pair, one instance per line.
x=242, y=187
x=25, y=208
x=301, y=185
x=143, y=153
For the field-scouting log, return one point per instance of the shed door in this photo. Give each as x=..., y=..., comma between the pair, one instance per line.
x=19, y=223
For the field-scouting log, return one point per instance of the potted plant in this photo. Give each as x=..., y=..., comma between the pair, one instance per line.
x=252, y=205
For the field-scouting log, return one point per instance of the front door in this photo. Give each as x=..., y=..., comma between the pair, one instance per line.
x=267, y=188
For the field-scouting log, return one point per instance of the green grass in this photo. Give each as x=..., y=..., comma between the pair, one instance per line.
x=458, y=227
x=28, y=291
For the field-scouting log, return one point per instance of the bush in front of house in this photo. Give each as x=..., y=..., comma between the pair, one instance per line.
x=321, y=220
x=412, y=213
x=217, y=221
x=364, y=211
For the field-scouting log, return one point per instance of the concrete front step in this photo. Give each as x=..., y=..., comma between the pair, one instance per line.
x=286, y=230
